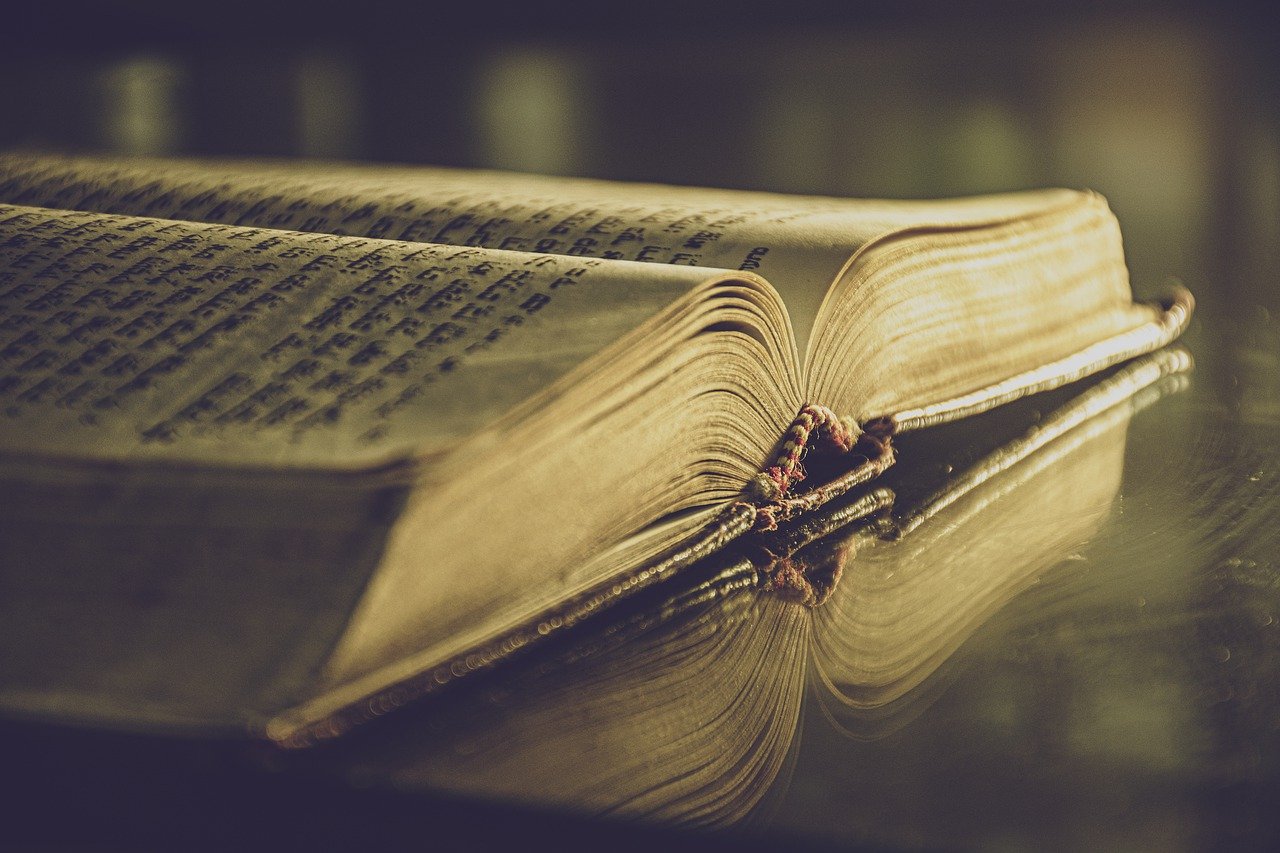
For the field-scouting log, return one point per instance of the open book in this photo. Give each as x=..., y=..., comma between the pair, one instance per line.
x=322, y=432
x=689, y=709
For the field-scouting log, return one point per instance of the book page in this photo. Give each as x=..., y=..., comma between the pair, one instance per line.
x=799, y=243
x=684, y=712
x=136, y=337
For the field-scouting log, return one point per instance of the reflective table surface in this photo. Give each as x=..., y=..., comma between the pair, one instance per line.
x=1078, y=647
x=1082, y=651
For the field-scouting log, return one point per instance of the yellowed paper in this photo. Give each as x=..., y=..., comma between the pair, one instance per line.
x=147, y=338
x=799, y=243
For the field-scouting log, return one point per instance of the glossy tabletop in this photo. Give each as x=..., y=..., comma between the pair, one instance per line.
x=1079, y=649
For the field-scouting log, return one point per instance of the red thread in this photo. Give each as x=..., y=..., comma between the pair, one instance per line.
x=766, y=517
x=830, y=431
x=817, y=428
x=804, y=580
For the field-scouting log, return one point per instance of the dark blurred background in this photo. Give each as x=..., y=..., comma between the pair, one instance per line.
x=1171, y=110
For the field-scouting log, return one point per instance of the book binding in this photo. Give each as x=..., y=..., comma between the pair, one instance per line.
x=866, y=449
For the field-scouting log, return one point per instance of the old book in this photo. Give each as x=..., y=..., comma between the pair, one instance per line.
x=284, y=444
x=688, y=710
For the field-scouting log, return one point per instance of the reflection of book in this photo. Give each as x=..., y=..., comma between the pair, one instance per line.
x=319, y=431
x=894, y=618
x=686, y=711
